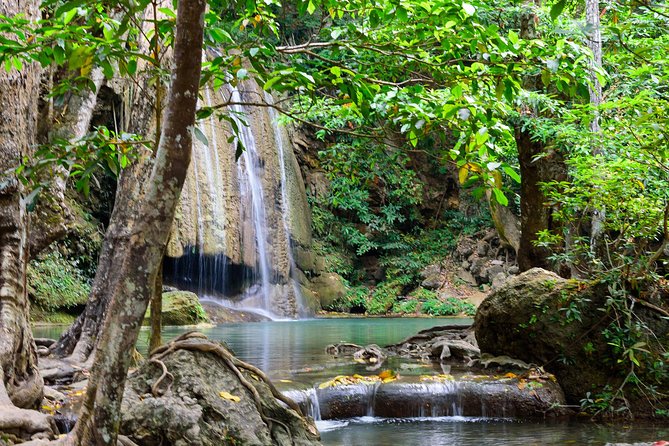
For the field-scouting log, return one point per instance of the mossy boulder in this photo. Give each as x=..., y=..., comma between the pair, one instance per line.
x=328, y=287
x=565, y=326
x=181, y=308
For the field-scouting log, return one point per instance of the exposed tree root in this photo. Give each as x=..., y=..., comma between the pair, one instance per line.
x=194, y=341
x=19, y=425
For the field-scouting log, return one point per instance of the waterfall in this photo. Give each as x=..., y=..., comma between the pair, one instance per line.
x=232, y=240
x=302, y=308
x=250, y=171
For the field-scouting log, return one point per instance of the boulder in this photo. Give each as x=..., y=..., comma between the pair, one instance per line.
x=181, y=308
x=432, y=277
x=545, y=320
x=196, y=396
x=328, y=287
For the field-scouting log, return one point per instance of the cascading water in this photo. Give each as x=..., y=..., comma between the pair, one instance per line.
x=302, y=308
x=232, y=240
x=250, y=173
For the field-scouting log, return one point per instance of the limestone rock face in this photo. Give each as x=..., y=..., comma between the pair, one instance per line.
x=328, y=287
x=527, y=318
x=216, y=232
x=207, y=405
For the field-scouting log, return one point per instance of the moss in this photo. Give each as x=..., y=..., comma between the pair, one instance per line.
x=54, y=284
x=58, y=317
x=181, y=308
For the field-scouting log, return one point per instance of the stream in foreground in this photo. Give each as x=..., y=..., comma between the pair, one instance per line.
x=293, y=354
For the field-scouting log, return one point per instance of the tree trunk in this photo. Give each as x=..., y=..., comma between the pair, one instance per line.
x=155, y=339
x=535, y=215
x=52, y=216
x=595, y=45
x=536, y=166
x=133, y=275
x=21, y=383
x=79, y=340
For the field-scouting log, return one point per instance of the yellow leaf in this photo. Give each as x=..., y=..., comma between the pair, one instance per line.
x=285, y=381
x=511, y=375
x=522, y=384
x=387, y=374
x=230, y=397
x=462, y=174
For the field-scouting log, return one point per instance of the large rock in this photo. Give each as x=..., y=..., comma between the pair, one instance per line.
x=549, y=321
x=182, y=308
x=207, y=405
x=328, y=287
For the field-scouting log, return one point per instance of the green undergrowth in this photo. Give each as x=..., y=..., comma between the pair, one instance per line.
x=56, y=288
x=400, y=293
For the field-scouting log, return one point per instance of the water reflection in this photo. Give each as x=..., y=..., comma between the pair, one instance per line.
x=460, y=431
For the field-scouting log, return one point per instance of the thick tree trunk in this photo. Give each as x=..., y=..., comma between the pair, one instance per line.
x=21, y=383
x=133, y=275
x=52, y=216
x=79, y=340
x=535, y=215
x=536, y=166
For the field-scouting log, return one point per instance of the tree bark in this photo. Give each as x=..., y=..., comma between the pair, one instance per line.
x=595, y=89
x=133, y=275
x=21, y=383
x=535, y=215
x=52, y=216
x=536, y=166
x=79, y=340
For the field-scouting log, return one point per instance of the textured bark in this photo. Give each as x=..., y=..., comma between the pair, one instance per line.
x=537, y=165
x=52, y=216
x=79, y=340
x=133, y=275
x=595, y=45
x=21, y=383
x=535, y=215
x=156, y=311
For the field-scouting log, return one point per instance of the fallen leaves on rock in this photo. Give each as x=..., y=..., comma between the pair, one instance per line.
x=385, y=376
x=230, y=397
x=438, y=378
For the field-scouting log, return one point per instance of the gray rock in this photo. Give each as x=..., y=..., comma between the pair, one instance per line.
x=523, y=319
x=432, y=277
x=458, y=349
x=466, y=276
x=207, y=405
x=499, y=280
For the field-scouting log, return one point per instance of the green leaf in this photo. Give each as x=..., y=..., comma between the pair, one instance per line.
x=511, y=173
x=311, y=7
x=69, y=15
x=132, y=66
x=500, y=197
x=200, y=136
x=557, y=9
x=253, y=51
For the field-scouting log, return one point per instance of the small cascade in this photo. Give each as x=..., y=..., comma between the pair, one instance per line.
x=308, y=401
x=490, y=399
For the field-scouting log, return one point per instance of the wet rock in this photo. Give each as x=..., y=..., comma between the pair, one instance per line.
x=342, y=349
x=219, y=314
x=207, y=404
x=482, y=397
x=455, y=348
x=447, y=343
x=503, y=362
x=181, y=308
x=371, y=354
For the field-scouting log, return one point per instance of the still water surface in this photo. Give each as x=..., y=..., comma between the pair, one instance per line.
x=295, y=351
